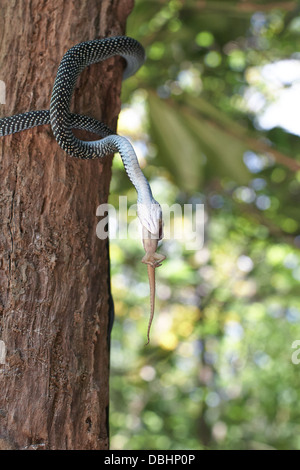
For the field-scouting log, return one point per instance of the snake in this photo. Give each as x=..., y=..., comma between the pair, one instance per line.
x=62, y=121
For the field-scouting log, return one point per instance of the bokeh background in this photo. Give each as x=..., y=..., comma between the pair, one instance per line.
x=214, y=117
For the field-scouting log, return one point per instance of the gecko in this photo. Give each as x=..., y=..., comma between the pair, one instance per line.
x=153, y=261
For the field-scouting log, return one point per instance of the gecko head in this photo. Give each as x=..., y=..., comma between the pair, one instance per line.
x=150, y=216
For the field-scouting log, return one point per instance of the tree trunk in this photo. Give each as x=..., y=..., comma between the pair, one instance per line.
x=55, y=286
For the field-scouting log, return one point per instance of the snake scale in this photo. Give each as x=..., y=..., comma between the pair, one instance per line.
x=62, y=122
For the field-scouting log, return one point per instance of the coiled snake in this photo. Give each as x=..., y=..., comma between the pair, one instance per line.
x=63, y=121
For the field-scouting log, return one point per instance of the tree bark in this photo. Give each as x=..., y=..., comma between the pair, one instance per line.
x=55, y=286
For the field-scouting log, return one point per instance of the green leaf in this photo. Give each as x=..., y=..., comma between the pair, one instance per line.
x=178, y=149
x=193, y=148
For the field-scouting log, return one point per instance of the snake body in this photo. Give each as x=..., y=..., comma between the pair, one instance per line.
x=63, y=121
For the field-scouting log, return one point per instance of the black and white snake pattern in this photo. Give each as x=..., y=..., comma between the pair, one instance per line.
x=63, y=121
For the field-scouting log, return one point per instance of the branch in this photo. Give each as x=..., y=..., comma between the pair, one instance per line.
x=245, y=7
x=219, y=120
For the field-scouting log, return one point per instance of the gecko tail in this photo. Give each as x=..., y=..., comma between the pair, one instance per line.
x=148, y=332
x=151, y=276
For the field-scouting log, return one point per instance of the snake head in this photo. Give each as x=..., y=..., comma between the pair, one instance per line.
x=150, y=216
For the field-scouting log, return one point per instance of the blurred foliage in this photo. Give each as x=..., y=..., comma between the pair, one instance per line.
x=218, y=372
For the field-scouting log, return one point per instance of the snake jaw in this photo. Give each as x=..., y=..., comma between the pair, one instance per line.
x=150, y=215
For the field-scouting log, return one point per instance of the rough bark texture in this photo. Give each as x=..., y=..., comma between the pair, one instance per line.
x=55, y=287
